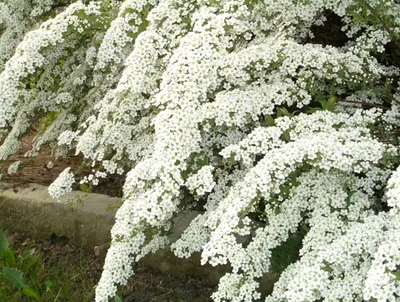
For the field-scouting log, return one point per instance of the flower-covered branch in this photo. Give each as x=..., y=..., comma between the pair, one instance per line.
x=237, y=107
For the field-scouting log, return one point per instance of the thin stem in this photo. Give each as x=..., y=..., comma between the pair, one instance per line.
x=364, y=103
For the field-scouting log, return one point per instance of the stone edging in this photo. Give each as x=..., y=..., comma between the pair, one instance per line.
x=30, y=209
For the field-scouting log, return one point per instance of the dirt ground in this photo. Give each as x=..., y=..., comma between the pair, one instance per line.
x=145, y=286
x=34, y=170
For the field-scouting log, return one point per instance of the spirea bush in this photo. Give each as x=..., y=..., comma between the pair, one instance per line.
x=279, y=118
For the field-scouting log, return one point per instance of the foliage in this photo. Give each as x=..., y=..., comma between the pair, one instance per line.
x=13, y=274
x=230, y=106
x=25, y=276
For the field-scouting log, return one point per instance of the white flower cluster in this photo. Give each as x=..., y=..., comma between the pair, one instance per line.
x=50, y=165
x=28, y=57
x=350, y=273
x=231, y=104
x=17, y=17
x=131, y=17
x=63, y=184
x=382, y=278
x=13, y=168
x=393, y=192
x=202, y=182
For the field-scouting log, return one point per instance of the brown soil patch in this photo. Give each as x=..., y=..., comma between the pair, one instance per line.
x=34, y=170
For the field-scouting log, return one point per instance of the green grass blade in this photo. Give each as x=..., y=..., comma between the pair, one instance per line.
x=29, y=292
x=3, y=243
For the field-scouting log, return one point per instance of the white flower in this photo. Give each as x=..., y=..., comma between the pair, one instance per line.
x=63, y=184
x=231, y=106
x=13, y=168
x=202, y=182
x=50, y=165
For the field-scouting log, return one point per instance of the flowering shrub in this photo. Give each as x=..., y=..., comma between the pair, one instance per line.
x=13, y=168
x=236, y=106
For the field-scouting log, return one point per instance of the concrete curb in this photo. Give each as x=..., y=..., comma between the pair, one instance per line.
x=30, y=209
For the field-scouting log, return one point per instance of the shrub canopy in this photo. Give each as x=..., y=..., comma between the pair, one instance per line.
x=279, y=118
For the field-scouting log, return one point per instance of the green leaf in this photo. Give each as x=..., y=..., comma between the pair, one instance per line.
x=397, y=274
x=331, y=103
x=320, y=97
x=81, y=15
x=9, y=256
x=118, y=299
x=14, y=276
x=286, y=135
x=202, y=160
x=356, y=16
x=85, y=188
x=3, y=243
x=327, y=267
x=312, y=110
x=269, y=120
x=323, y=104
x=26, y=254
x=29, y=292
x=283, y=112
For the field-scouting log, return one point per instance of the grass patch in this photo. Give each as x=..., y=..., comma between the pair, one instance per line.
x=27, y=274
x=56, y=271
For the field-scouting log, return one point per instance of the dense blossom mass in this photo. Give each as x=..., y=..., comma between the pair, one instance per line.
x=279, y=118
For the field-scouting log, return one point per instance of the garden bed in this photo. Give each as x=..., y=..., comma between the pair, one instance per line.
x=63, y=272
